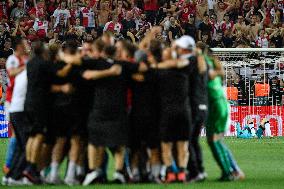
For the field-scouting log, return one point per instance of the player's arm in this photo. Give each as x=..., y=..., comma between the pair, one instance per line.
x=174, y=63
x=66, y=88
x=218, y=71
x=115, y=70
x=15, y=71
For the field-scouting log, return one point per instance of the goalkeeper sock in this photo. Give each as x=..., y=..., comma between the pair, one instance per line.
x=219, y=157
x=232, y=160
x=226, y=161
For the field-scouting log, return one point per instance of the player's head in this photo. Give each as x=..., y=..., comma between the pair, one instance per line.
x=125, y=50
x=156, y=49
x=98, y=47
x=87, y=49
x=53, y=50
x=39, y=49
x=70, y=47
x=20, y=46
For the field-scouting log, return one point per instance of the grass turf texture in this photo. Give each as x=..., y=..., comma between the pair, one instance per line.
x=261, y=160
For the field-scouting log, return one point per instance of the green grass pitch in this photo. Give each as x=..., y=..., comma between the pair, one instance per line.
x=261, y=160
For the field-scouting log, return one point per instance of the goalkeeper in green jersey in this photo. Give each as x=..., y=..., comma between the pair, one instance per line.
x=218, y=116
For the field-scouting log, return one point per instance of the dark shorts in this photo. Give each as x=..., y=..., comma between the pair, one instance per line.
x=68, y=121
x=40, y=123
x=175, y=126
x=144, y=131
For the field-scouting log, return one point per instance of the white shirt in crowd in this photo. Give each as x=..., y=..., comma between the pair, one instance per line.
x=40, y=25
x=58, y=13
x=19, y=93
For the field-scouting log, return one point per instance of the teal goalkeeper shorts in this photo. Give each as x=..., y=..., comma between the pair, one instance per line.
x=218, y=117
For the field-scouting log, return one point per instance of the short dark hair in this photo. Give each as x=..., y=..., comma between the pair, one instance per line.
x=16, y=42
x=38, y=48
x=109, y=51
x=71, y=46
x=129, y=47
x=99, y=45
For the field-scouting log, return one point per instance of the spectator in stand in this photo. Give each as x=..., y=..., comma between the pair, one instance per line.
x=188, y=7
x=255, y=26
x=128, y=23
x=227, y=39
x=61, y=14
x=189, y=27
x=277, y=37
x=74, y=13
x=104, y=13
x=205, y=27
x=113, y=26
x=41, y=26
x=227, y=24
x=175, y=31
x=215, y=25
x=7, y=50
x=18, y=11
x=217, y=41
x=201, y=10
x=150, y=8
x=78, y=27
x=262, y=40
x=88, y=17
x=240, y=26
x=221, y=8
x=4, y=35
x=142, y=24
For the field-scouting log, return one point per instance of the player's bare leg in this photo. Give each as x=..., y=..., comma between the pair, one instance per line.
x=95, y=159
x=155, y=162
x=70, y=178
x=167, y=157
x=57, y=156
x=119, y=155
x=182, y=159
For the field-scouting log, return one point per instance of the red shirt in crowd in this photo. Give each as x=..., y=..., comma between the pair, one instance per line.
x=189, y=8
x=151, y=5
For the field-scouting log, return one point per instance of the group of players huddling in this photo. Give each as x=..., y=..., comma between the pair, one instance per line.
x=144, y=103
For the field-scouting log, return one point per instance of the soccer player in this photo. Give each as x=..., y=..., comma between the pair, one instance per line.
x=37, y=107
x=14, y=65
x=107, y=123
x=143, y=117
x=173, y=85
x=218, y=120
x=18, y=120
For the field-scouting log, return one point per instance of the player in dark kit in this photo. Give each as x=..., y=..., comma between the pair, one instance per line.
x=174, y=119
x=37, y=107
x=107, y=123
x=144, y=119
x=199, y=107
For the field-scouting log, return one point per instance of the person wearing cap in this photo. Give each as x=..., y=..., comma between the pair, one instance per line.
x=216, y=124
x=198, y=104
x=189, y=27
x=173, y=86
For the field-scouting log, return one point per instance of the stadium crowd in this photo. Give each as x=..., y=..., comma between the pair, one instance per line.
x=50, y=84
